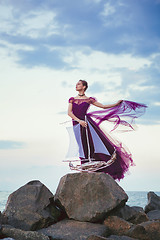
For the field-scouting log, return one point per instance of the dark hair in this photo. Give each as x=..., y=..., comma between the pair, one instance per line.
x=84, y=84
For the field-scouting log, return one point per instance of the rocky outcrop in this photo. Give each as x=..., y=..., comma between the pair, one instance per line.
x=86, y=206
x=74, y=230
x=153, y=202
x=95, y=194
x=19, y=234
x=30, y=208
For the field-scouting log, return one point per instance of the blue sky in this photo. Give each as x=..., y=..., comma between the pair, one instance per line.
x=46, y=47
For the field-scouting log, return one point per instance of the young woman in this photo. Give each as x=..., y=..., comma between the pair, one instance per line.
x=111, y=149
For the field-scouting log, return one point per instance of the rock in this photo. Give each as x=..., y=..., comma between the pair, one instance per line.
x=2, y=236
x=74, y=230
x=153, y=202
x=117, y=225
x=112, y=237
x=131, y=214
x=138, y=232
x=89, y=196
x=154, y=215
x=19, y=234
x=31, y=207
x=126, y=212
x=115, y=237
x=153, y=229
x=93, y=237
x=137, y=208
x=139, y=217
x=3, y=219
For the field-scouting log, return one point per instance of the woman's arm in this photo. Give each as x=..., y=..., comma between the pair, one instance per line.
x=70, y=113
x=97, y=104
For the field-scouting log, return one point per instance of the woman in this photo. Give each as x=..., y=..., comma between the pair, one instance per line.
x=77, y=110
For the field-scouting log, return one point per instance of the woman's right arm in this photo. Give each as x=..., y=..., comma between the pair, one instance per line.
x=70, y=113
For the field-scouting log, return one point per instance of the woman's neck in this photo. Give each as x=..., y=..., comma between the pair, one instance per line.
x=81, y=93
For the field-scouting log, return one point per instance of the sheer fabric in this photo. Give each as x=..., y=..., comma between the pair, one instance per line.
x=122, y=115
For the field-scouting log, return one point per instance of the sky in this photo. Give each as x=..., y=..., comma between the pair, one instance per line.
x=45, y=48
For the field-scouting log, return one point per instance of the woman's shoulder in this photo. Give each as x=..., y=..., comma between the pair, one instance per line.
x=71, y=99
x=92, y=99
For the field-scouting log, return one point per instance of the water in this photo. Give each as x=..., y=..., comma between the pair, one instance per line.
x=136, y=198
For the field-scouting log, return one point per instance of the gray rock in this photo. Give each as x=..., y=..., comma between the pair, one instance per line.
x=152, y=229
x=126, y=212
x=74, y=230
x=3, y=219
x=89, y=196
x=19, y=234
x=132, y=214
x=154, y=215
x=115, y=237
x=117, y=226
x=31, y=207
x=137, y=208
x=138, y=232
x=112, y=237
x=153, y=202
x=94, y=237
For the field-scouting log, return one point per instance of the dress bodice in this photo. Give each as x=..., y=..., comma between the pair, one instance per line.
x=80, y=106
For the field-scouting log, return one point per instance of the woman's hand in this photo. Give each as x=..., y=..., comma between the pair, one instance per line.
x=83, y=123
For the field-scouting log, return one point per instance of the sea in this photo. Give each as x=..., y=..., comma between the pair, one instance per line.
x=135, y=198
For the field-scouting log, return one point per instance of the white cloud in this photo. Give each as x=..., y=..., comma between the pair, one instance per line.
x=114, y=14
x=38, y=24
x=15, y=47
x=157, y=103
x=33, y=24
x=104, y=61
x=108, y=9
x=137, y=87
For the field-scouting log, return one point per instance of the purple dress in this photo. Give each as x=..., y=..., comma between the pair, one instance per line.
x=117, y=116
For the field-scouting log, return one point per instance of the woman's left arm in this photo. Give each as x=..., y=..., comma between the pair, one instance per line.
x=97, y=104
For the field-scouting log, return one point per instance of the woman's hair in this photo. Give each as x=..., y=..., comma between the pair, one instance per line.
x=84, y=84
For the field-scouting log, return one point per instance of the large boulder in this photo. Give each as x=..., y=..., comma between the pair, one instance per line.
x=138, y=232
x=89, y=196
x=153, y=202
x=30, y=208
x=116, y=225
x=132, y=214
x=154, y=215
x=19, y=234
x=74, y=230
x=152, y=229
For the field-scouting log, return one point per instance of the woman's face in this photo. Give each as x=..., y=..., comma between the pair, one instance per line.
x=79, y=86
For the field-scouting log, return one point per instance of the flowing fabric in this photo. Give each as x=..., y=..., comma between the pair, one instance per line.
x=124, y=115
x=127, y=109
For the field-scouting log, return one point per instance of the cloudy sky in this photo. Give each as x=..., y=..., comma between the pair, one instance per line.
x=45, y=48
